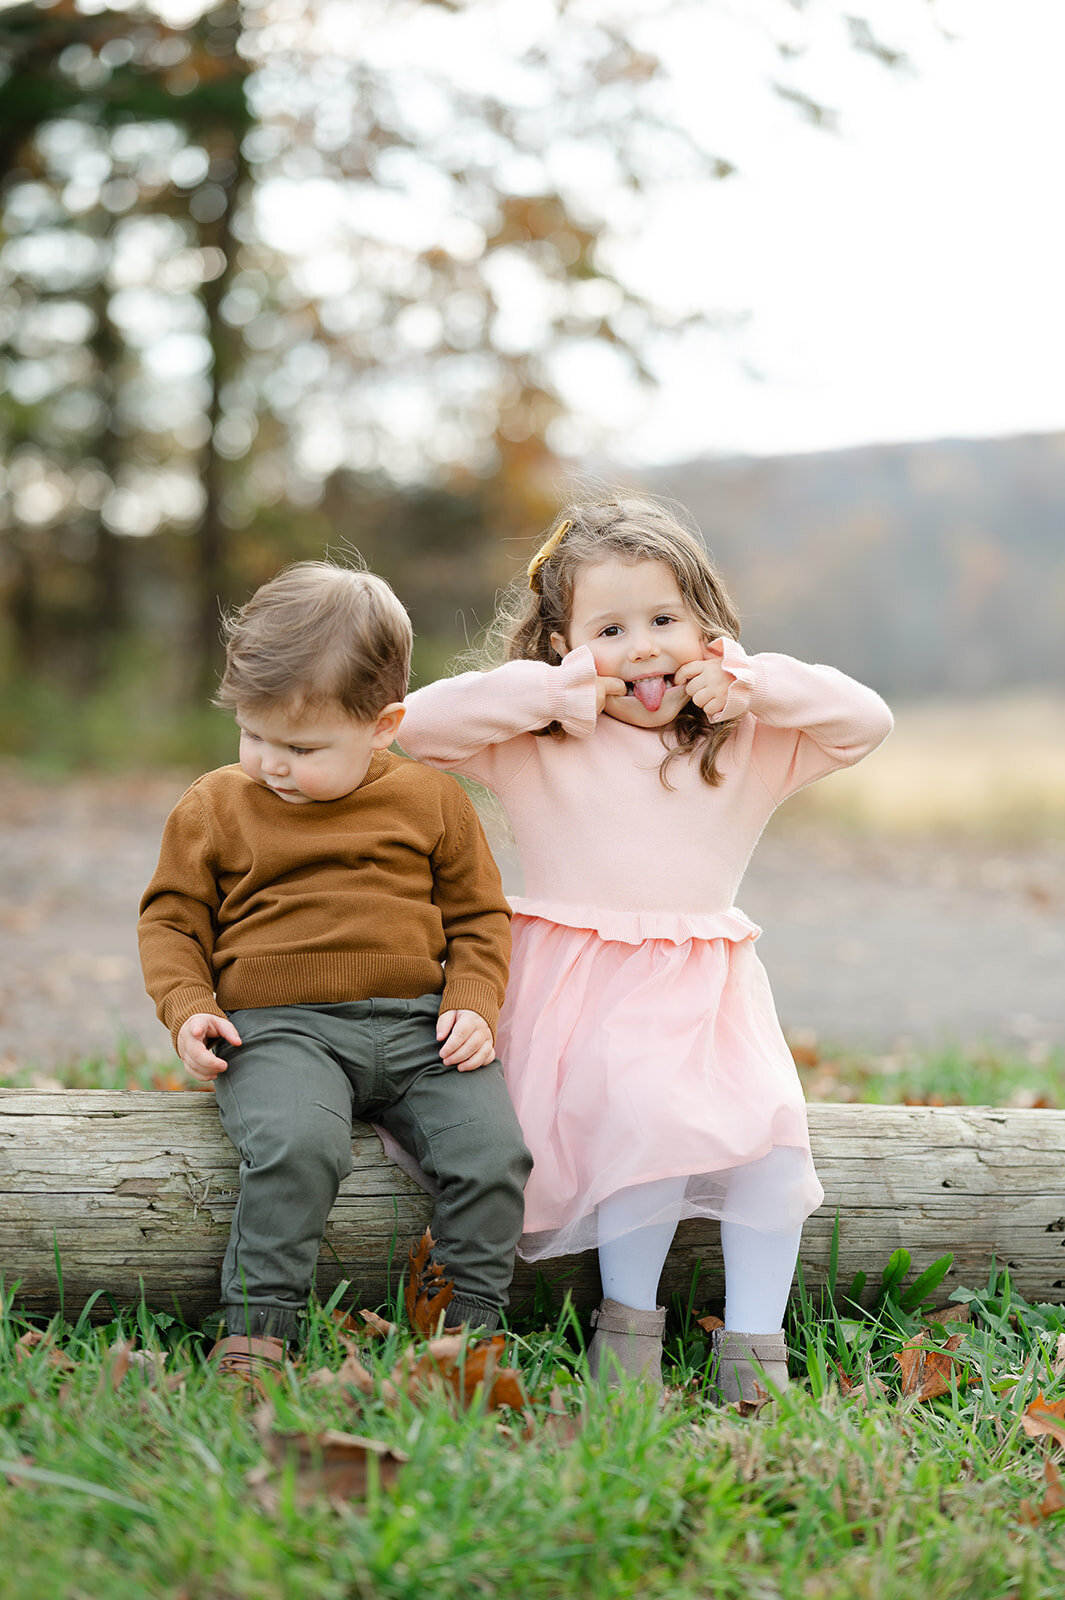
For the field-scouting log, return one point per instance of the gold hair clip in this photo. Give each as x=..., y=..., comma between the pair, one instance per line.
x=546, y=551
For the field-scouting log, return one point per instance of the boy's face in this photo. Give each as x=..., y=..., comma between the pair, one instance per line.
x=305, y=756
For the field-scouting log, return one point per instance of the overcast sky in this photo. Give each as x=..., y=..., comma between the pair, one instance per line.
x=904, y=281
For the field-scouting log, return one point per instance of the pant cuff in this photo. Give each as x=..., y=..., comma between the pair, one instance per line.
x=260, y=1322
x=463, y=1309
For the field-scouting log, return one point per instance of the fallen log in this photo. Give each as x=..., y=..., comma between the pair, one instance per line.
x=132, y=1192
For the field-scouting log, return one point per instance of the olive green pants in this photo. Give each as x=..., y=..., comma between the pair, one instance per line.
x=287, y=1100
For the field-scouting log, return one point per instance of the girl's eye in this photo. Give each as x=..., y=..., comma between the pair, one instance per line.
x=611, y=631
x=661, y=621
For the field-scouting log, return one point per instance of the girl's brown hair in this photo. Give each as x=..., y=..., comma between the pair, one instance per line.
x=628, y=528
x=318, y=633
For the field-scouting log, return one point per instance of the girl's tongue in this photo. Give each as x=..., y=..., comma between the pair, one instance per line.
x=650, y=692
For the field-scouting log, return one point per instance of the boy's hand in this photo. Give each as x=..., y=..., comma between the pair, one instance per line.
x=192, y=1048
x=604, y=689
x=706, y=682
x=467, y=1040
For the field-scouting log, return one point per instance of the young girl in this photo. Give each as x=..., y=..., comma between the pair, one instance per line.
x=638, y=753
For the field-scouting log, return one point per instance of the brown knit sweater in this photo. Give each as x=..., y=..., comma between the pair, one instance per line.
x=259, y=903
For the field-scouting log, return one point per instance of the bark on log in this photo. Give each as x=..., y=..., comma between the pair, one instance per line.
x=135, y=1191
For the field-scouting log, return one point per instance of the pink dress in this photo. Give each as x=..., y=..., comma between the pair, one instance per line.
x=639, y=1037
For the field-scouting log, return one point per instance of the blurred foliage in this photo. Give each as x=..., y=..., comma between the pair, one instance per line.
x=291, y=279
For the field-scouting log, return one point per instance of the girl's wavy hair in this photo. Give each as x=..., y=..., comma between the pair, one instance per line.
x=627, y=528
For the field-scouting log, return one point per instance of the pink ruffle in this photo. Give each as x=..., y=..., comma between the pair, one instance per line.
x=737, y=663
x=633, y=927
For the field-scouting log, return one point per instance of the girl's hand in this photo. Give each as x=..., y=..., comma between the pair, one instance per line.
x=192, y=1047
x=605, y=688
x=707, y=684
x=467, y=1040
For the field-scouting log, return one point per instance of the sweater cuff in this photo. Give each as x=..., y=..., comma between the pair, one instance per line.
x=577, y=677
x=472, y=994
x=740, y=668
x=181, y=1004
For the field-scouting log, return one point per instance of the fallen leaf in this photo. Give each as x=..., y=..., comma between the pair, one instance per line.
x=1045, y=1417
x=455, y=1364
x=32, y=1339
x=1053, y=1500
x=949, y=1314
x=927, y=1369
x=329, y=1465
x=368, y=1322
x=378, y=1326
x=428, y=1292
x=708, y=1324
x=554, y=1422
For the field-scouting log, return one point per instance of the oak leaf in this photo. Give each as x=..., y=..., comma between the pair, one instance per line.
x=428, y=1293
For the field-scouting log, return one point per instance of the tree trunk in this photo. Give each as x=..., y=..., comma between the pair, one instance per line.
x=138, y=1189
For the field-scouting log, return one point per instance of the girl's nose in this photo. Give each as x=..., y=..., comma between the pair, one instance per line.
x=643, y=648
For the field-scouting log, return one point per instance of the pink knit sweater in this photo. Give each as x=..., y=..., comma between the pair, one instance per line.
x=603, y=844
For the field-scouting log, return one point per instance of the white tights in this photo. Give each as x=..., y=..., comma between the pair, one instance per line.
x=758, y=1265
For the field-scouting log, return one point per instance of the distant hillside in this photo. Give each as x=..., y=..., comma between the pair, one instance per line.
x=924, y=568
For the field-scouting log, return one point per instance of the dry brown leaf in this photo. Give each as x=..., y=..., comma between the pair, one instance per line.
x=453, y=1363
x=379, y=1327
x=708, y=1324
x=949, y=1314
x=364, y=1322
x=31, y=1340
x=328, y=1465
x=1045, y=1417
x=927, y=1369
x=1053, y=1500
x=428, y=1292
x=351, y=1375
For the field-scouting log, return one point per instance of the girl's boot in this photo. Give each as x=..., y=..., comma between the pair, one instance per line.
x=633, y=1338
x=734, y=1372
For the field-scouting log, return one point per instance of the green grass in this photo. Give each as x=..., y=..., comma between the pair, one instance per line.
x=843, y=1489
x=949, y=1074
x=134, y=1490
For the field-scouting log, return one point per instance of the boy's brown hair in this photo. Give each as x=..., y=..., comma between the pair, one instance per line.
x=318, y=633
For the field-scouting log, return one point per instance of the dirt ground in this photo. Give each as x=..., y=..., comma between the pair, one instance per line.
x=869, y=941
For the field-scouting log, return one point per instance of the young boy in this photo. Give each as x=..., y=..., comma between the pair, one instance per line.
x=326, y=936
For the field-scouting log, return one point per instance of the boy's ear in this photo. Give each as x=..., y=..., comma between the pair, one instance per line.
x=387, y=725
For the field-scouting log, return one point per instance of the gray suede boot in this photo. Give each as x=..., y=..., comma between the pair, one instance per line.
x=734, y=1371
x=632, y=1338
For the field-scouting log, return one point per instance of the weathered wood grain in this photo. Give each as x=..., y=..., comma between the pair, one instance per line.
x=136, y=1190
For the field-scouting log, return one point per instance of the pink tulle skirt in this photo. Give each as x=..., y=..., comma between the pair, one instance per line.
x=635, y=1061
